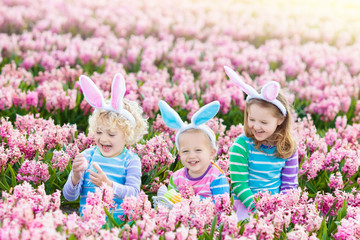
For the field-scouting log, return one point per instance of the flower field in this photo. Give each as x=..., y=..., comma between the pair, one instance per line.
x=175, y=51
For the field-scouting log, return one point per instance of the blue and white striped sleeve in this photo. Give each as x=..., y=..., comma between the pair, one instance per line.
x=220, y=185
x=132, y=182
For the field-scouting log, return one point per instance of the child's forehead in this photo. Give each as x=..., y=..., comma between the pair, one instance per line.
x=107, y=126
x=260, y=111
x=194, y=135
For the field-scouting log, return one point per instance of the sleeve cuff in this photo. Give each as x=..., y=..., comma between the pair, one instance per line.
x=116, y=189
x=76, y=187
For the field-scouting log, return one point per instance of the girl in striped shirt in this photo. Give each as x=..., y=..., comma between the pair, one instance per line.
x=196, y=144
x=113, y=126
x=265, y=156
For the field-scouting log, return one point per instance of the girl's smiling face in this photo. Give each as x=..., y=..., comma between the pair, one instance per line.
x=262, y=122
x=196, y=152
x=110, y=141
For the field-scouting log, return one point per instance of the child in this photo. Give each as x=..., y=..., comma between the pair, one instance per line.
x=113, y=126
x=265, y=158
x=196, y=145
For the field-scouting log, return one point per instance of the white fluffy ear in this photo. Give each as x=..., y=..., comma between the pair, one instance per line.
x=170, y=116
x=205, y=113
x=238, y=80
x=91, y=92
x=270, y=90
x=118, y=90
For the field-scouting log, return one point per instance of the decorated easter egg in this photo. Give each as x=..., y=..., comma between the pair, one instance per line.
x=162, y=190
x=173, y=196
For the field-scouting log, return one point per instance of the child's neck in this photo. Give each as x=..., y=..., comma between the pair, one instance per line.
x=268, y=143
x=197, y=176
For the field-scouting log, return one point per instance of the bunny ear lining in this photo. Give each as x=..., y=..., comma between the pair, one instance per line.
x=91, y=92
x=270, y=90
x=118, y=90
x=170, y=116
x=205, y=113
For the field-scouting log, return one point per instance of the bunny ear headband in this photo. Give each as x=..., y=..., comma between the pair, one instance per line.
x=269, y=91
x=94, y=97
x=204, y=114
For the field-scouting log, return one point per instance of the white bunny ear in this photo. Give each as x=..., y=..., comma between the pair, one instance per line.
x=270, y=90
x=238, y=80
x=205, y=113
x=118, y=90
x=170, y=116
x=91, y=92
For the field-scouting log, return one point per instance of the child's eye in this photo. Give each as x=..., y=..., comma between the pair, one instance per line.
x=111, y=135
x=185, y=151
x=198, y=150
x=264, y=123
x=98, y=132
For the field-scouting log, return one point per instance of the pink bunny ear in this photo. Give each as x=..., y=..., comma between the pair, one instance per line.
x=91, y=92
x=238, y=80
x=270, y=90
x=118, y=90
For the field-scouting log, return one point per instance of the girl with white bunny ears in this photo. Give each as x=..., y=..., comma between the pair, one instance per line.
x=268, y=93
x=265, y=156
x=113, y=125
x=196, y=144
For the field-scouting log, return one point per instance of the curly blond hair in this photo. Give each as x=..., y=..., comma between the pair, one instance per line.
x=113, y=119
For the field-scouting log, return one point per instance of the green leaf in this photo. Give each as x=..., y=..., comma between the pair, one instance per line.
x=325, y=234
x=342, y=211
x=283, y=236
x=72, y=237
x=4, y=187
x=309, y=186
x=36, y=158
x=213, y=227
x=221, y=230
x=323, y=228
x=109, y=215
x=206, y=236
x=48, y=156
x=331, y=225
x=13, y=176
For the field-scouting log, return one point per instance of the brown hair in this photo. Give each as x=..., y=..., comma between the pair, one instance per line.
x=282, y=137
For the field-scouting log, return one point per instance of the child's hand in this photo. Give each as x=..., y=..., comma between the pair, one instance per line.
x=100, y=177
x=79, y=165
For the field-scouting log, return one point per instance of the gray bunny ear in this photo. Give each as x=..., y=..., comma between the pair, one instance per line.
x=170, y=116
x=205, y=113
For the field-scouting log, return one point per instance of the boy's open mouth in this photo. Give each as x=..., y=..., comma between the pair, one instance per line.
x=106, y=148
